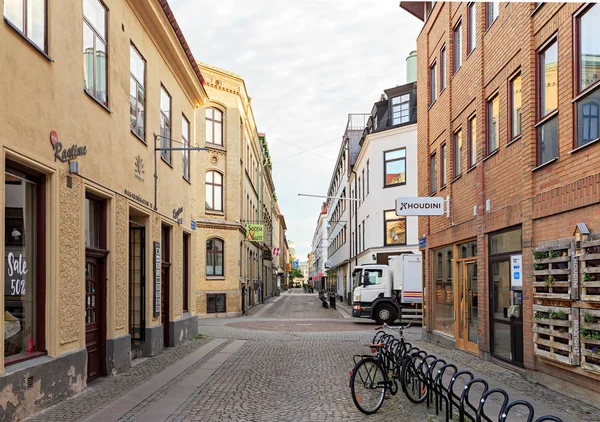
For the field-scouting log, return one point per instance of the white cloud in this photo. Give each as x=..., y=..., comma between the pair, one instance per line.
x=307, y=64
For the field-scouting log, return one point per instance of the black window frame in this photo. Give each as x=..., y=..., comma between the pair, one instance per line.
x=385, y=223
x=216, y=296
x=142, y=85
x=42, y=48
x=105, y=40
x=214, y=254
x=385, y=163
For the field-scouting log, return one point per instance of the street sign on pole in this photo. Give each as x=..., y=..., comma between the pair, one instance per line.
x=420, y=206
x=295, y=264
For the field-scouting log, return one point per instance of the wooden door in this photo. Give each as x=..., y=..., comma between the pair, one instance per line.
x=164, y=302
x=94, y=317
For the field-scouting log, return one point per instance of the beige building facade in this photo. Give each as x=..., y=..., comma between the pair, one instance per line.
x=237, y=273
x=97, y=258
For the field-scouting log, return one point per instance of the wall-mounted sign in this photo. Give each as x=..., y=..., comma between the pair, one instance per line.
x=422, y=242
x=275, y=251
x=177, y=212
x=138, y=198
x=14, y=274
x=156, y=311
x=139, y=168
x=193, y=224
x=420, y=206
x=63, y=154
x=516, y=271
x=295, y=264
x=255, y=232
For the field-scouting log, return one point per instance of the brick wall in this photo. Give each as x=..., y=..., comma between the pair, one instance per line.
x=546, y=202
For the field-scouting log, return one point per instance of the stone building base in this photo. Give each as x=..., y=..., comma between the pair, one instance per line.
x=183, y=329
x=220, y=315
x=33, y=385
x=118, y=354
x=153, y=344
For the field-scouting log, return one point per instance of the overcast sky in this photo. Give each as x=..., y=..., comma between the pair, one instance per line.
x=307, y=64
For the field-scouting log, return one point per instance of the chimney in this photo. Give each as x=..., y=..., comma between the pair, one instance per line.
x=411, y=67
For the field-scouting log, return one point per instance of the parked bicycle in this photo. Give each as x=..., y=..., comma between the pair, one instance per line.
x=376, y=375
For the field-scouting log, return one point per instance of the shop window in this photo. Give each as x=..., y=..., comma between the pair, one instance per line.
x=505, y=242
x=216, y=303
x=24, y=277
x=468, y=250
x=29, y=18
x=214, y=126
x=395, y=229
x=95, y=50
x=443, y=287
x=214, y=257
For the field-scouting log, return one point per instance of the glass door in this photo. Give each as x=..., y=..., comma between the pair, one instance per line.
x=467, y=336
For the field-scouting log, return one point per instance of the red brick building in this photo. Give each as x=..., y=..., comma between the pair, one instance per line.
x=508, y=129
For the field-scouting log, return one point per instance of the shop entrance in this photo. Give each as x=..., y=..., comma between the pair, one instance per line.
x=506, y=300
x=466, y=298
x=137, y=286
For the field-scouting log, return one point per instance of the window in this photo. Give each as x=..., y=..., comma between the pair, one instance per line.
x=216, y=303
x=165, y=124
x=428, y=8
x=368, y=188
x=214, y=191
x=492, y=10
x=94, y=50
x=214, y=257
x=363, y=184
x=29, y=17
x=547, y=132
x=472, y=133
x=374, y=276
x=443, y=68
x=432, y=93
x=363, y=235
x=493, y=129
x=432, y=173
x=443, y=294
x=358, y=249
x=443, y=166
x=588, y=50
x=394, y=167
x=185, y=155
x=93, y=211
x=515, y=107
x=214, y=126
x=472, y=29
x=137, y=92
x=400, y=110
x=359, y=196
x=395, y=228
x=24, y=277
x=457, y=149
x=457, y=46
x=186, y=272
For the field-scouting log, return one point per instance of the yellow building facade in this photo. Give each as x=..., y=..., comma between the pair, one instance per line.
x=98, y=265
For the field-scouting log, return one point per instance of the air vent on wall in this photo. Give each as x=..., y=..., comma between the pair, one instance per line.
x=29, y=382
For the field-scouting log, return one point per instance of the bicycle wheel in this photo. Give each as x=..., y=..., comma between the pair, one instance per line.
x=367, y=384
x=413, y=383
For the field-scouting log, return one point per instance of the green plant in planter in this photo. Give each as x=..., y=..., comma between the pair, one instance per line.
x=539, y=315
x=587, y=317
x=554, y=254
x=588, y=277
x=540, y=255
x=592, y=334
x=539, y=267
x=549, y=280
x=558, y=315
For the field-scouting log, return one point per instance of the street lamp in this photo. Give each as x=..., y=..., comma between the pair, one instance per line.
x=196, y=148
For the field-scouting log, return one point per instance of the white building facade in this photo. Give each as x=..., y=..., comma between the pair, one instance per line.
x=319, y=250
x=385, y=169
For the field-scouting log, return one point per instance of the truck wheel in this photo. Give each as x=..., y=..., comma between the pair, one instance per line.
x=385, y=313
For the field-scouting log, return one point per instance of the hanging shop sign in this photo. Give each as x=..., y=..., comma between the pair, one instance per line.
x=275, y=252
x=64, y=154
x=177, y=212
x=156, y=279
x=138, y=198
x=420, y=206
x=255, y=232
x=193, y=224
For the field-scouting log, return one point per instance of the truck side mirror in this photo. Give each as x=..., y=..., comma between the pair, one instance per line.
x=366, y=281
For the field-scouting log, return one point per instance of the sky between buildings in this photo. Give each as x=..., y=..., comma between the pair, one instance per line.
x=307, y=64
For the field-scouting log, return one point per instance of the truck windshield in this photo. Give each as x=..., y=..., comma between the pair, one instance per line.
x=356, y=278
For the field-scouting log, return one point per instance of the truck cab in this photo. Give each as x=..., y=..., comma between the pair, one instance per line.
x=386, y=292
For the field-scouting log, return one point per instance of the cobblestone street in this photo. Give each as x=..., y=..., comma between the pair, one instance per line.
x=288, y=360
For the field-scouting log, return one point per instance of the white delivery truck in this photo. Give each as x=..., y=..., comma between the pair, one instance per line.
x=388, y=292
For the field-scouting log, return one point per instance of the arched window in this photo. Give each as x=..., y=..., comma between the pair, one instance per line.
x=214, y=191
x=214, y=126
x=214, y=257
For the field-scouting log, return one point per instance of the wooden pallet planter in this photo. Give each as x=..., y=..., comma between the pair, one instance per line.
x=552, y=270
x=590, y=346
x=590, y=270
x=554, y=338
